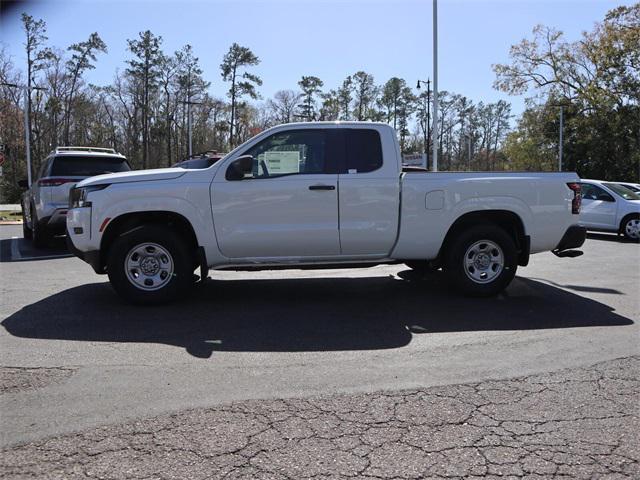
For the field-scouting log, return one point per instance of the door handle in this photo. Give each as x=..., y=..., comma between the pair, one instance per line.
x=322, y=187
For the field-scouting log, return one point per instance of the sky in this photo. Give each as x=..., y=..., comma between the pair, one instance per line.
x=326, y=38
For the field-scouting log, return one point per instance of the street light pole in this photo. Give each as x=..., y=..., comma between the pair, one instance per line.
x=427, y=130
x=561, y=134
x=468, y=135
x=189, y=129
x=27, y=134
x=188, y=103
x=435, y=86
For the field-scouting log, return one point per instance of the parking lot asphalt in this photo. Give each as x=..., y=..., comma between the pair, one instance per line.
x=76, y=360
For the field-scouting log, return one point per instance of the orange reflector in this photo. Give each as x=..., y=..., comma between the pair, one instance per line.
x=104, y=224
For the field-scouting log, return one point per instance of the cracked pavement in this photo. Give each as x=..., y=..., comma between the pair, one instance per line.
x=16, y=379
x=574, y=423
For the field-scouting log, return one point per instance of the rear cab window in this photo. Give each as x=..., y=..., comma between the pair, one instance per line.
x=87, y=165
x=363, y=150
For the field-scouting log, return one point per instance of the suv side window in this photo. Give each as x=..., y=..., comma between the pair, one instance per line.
x=364, y=150
x=44, y=169
x=290, y=153
x=593, y=192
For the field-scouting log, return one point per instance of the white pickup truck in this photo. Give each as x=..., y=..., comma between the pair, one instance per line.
x=318, y=194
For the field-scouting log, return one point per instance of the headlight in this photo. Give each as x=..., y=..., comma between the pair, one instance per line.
x=78, y=196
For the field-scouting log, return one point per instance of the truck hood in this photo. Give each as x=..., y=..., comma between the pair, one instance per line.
x=134, y=176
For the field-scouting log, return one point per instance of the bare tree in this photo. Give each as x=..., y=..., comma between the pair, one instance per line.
x=283, y=105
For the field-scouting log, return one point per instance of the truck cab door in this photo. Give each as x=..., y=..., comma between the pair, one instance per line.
x=369, y=193
x=287, y=206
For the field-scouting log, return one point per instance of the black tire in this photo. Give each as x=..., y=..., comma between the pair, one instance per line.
x=498, y=278
x=26, y=230
x=179, y=281
x=634, y=217
x=39, y=233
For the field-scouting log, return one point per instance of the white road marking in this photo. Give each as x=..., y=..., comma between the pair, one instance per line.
x=16, y=256
x=15, y=251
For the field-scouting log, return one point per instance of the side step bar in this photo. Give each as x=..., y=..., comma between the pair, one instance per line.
x=567, y=253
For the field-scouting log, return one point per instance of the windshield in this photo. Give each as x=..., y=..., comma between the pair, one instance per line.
x=87, y=166
x=624, y=192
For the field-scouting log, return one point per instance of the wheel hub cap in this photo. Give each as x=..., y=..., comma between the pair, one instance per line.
x=484, y=261
x=632, y=228
x=149, y=266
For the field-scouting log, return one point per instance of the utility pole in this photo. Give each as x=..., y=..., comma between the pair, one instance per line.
x=189, y=129
x=561, y=106
x=427, y=130
x=560, y=142
x=435, y=86
x=188, y=103
x=26, y=93
x=468, y=135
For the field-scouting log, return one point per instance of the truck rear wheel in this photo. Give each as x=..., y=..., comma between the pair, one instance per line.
x=481, y=261
x=150, y=265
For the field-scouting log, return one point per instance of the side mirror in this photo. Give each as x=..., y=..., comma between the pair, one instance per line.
x=240, y=167
x=605, y=198
x=23, y=184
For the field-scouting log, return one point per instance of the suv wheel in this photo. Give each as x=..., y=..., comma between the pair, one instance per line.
x=481, y=261
x=39, y=232
x=150, y=265
x=26, y=229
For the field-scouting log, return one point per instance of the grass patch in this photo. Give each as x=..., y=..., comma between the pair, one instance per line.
x=10, y=215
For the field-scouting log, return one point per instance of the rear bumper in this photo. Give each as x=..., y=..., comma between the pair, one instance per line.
x=574, y=237
x=92, y=257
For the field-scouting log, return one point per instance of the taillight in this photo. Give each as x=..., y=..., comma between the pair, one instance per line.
x=55, y=182
x=577, y=197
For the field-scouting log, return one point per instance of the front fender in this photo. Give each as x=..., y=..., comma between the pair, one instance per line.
x=188, y=200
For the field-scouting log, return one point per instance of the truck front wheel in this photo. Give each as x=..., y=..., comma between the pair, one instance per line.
x=481, y=261
x=150, y=265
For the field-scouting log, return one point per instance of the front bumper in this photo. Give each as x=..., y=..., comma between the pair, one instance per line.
x=574, y=237
x=92, y=257
x=80, y=240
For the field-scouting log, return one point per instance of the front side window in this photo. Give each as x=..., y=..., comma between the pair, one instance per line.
x=290, y=153
x=43, y=169
x=624, y=192
x=593, y=192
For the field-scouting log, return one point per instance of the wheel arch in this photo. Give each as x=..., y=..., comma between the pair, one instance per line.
x=131, y=220
x=508, y=220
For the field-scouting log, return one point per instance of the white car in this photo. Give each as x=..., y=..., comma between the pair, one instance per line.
x=610, y=207
x=321, y=194
x=45, y=204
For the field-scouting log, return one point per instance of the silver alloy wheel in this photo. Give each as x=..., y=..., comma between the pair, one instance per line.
x=632, y=228
x=484, y=261
x=149, y=266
